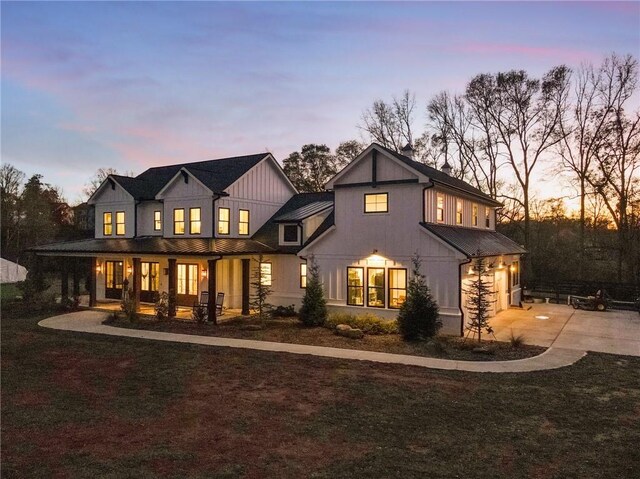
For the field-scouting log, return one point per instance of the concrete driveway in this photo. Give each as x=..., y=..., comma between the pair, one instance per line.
x=616, y=332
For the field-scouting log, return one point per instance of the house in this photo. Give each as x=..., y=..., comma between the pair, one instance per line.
x=196, y=227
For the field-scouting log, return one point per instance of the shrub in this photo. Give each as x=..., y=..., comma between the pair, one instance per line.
x=128, y=306
x=70, y=304
x=516, y=341
x=199, y=314
x=162, y=306
x=314, y=307
x=284, y=311
x=419, y=314
x=368, y=323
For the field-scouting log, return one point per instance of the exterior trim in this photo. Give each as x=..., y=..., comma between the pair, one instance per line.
x=364, y=296
x=378, y=183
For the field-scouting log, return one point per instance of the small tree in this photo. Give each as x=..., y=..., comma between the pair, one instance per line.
x=261, y=289
x=479, y=294
x=162, y=305
x=314, y=307
x=419, y=314
x=128, y=305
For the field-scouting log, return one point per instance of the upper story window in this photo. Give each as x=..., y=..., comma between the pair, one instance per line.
x=459, y=212
x=440, y=208
x=243, y=222
x=475, y=215
x=157, y=220
x=376, y=203
x=303, y=275
x=223, y=221
x=265, y=274
x=120, y=226
x=290, y=233
x=487, y=217
x=194, y=221
x=107, y=223
x=178, y=221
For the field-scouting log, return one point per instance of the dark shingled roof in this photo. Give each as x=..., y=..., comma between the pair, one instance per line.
x=268, y=233
x=471, y=240
x=157, y=245
x=304, y=212
x=439, y=177
x=217, y=175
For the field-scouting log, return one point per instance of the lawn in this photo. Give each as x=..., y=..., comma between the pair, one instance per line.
x=9, y=291
x=78, y=405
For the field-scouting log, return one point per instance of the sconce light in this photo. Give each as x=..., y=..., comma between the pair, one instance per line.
x=471, y=270
x=165, y=271
x=98, y=268
x=501, y=265
x=129, y=269
x=204, y=273
x=512, y=268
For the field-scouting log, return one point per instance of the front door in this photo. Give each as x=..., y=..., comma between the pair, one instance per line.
x=150, y=275
x=187, y=276
x=113, y=279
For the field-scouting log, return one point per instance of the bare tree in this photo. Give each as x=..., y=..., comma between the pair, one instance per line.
x=390, y=124
x=99, y=176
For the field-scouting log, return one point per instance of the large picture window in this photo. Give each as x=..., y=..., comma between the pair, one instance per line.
x=376, y=203
x=375, y=287
x=243, y=222
x=107, y=224
x=157, y=220
x=440, y=208
x=120, y=226
x=178, y=221
x=355, y=286
x=397, y=287
x=265, y=274
x=195, y=224
x=224, y=215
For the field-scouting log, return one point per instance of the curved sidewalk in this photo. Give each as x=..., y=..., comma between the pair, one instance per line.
x=91, y=322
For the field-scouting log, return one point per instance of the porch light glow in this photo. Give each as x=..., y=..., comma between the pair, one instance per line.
x=471, y=270
x=204, y=273
x=501, y=265
x=129, y=269
x=98, y=268
x=512, y=268
x=375, y=259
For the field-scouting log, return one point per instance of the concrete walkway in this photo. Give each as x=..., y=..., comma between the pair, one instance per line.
x=91, y=322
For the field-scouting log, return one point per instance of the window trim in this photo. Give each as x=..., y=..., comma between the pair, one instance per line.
x=124, y=224
x=364, y=206
x=474, y=214
x=389, y=288
x=240, y=222
x=361, y=287
x=105, y=223
x=270, y=274
x=175, y=222
x=303, y=266
x=459, y=212
x=487, y=217
x=157, y=220
x=439, y=210
x=192, y=222
x=383, y=287
x=227, y=221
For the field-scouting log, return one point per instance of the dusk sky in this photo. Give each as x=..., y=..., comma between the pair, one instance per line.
x=133, y=85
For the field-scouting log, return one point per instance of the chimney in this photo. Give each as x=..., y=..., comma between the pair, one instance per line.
x=407, y=150
x=446, y=168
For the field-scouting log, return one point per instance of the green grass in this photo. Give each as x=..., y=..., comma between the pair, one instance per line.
x=9, y=291
x=78, y=405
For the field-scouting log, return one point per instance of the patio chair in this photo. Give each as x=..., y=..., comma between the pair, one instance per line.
x=219, y=303
x=204, y=300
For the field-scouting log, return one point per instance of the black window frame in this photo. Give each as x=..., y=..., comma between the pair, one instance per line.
x=240, y=222
x=109, y=223
x=193, y=222
x=439, y=218
x=381, y=288
x=389, y=288
x=157, y=220
x=284, y=233
x=227, y=221
x=361, y=287
x=364, y=207
x=303, y=275
x=175, y=222
x=487, y=217
x=124, y=223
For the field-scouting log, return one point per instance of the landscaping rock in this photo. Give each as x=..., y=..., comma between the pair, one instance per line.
x=343, y=327
x=349, y=332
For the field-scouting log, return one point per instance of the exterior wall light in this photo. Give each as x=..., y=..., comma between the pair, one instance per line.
x=129, y=269
x=98, y=268
x=204, y=273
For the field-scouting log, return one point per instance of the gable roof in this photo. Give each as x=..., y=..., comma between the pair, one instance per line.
x=438, y=176
x=304, y=212
x=268, y=233
x=470, y=241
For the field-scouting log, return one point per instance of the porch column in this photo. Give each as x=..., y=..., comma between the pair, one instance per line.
x=246, y=275
x=93, y=273
x=64, y=280
x=211, y=277
x=76, y=278
x=137, y=283
x=172, y=287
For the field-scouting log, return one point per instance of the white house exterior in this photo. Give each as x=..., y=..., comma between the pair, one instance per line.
x=185, y=229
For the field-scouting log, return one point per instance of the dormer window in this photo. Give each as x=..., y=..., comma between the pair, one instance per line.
x=223, y=221
x=120, y=225
x=440, y=209
x=376, y=203
x=178, y=221
x=458, y=212
x=107, y=224
x=243, y=222
x=194, y=221
x=290, y=233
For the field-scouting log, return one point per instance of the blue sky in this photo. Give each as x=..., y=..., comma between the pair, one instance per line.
x=131, y=85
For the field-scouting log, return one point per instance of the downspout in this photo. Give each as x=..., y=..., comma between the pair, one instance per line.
x=464, y=263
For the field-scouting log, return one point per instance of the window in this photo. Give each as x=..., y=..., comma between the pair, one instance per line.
x=243, y=222
x=475, y=215
x=157, y=220
x=187, y=279
x=265, y=274
x=355, y=286
x=397, y=287
x=178, y=221
x=376, y=203
x=459, y=212
x=150, y=273
x=120, y=223
x=375, y=287
x=223, y=221
x=515, y=273
x=194, y=221
x=107, y=224
x=290, y=233
x=487, y=217
x=440, y=210
x=303, y=275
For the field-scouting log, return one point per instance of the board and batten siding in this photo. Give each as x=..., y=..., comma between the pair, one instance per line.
x=187, y=195
x=450, y=208
x=113, y=200
x=145, y=218
x=386, y=170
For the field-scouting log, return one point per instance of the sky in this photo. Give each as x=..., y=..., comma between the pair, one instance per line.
x=130, y=85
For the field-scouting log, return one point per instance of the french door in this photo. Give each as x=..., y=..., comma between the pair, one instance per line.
x=187, y=287
x=150, y=276
x=114, y=273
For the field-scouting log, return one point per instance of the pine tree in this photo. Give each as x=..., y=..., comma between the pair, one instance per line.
x=261, y=290
x=314, y=307
x=419, y=314
x=479, y=294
